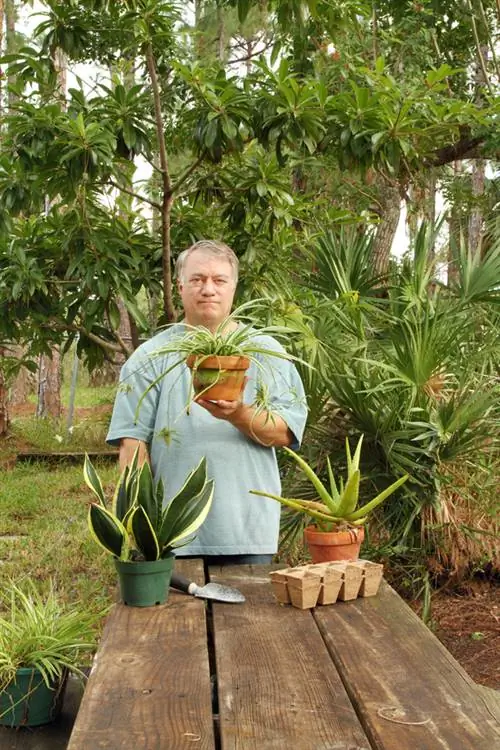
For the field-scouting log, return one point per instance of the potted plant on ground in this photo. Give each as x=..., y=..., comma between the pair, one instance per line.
x=219, y=359
x=337, y=531
x=41, y=641
x=140, y=533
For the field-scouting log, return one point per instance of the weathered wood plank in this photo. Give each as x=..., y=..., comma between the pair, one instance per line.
x=408, y=690
x=277, y=686
x=150, y=683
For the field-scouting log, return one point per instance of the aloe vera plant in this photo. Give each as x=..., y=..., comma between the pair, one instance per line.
x=337, y=507
x=134, y=525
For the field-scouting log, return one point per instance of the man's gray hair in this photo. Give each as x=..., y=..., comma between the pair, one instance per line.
x=209, y=247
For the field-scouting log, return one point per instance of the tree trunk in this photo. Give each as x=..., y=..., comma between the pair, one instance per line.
x=476, y=215
x=2, y=19
x=389, y=212
x=454, y=234
x=24, y=383
x=4, y=405
x=11, y=43
x=49, y=385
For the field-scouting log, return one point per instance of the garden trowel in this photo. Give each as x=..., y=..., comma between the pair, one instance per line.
x=215, y=591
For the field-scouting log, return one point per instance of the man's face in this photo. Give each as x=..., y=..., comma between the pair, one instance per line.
x=207, y=289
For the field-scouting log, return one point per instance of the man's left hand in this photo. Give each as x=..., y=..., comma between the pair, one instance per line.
x=220, y=409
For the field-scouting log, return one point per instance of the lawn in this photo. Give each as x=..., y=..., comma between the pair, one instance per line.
x=44, y=534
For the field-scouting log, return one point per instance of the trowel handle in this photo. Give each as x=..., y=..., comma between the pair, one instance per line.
x=182, y=583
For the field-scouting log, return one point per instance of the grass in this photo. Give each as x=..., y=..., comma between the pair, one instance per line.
x=44, y=534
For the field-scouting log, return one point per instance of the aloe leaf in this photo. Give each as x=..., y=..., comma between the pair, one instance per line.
x=315, y=481
x=93, y=481
x=357, y=454
x=349, y=457
x=107, y=531
x=333, y=485
x=377, y=500
x=145, y=538
x=296, y=505
x=350, y=495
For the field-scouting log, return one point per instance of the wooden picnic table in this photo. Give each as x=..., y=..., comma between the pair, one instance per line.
x=359, y=675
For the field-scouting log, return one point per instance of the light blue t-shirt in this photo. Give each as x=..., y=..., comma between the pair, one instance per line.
x=238, y=523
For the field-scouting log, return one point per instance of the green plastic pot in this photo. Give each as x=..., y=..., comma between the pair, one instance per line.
x=145, y=583
x=28, y=702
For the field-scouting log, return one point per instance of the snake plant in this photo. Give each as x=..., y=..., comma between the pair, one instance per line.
x=338, y=504
x=134, y=525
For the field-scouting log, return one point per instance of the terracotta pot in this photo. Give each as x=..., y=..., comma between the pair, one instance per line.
x=218, y=378
x=327, y=546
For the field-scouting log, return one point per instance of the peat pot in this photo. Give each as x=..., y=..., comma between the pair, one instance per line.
x=218, y=378
x=328, y=546
x=145, y=583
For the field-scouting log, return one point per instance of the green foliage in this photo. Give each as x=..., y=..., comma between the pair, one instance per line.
x=134, y=525
x=337, y=507
x=37, y=630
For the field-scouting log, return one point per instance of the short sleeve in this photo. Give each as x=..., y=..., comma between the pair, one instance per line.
x=136, y=401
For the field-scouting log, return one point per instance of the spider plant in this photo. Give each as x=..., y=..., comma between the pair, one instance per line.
x=244, y=340
x=38, y=631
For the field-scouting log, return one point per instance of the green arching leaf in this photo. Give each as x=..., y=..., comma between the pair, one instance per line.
x=333, y=485
x=357, y=454
x=108, y=531
x=315, y=481
x=377, y=500
x=144, y=535
x=350, y=495
x=93, y=481
x=348, y=456
x=296, y=505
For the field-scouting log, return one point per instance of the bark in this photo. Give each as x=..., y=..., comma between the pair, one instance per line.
x=168, y=304
x=49, y=385
x=390, y=201
x=24, y=383
x=476, y=217
x=2, y=18
x=4, y=403
x=221, y=42
x=10, y=38
x=478, y=170
x=454, y=235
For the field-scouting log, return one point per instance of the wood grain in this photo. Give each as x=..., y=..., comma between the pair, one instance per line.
x=150, y=683
x=408, y=690
x=277, y=686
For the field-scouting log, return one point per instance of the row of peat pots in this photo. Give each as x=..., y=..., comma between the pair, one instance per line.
x=306, y=586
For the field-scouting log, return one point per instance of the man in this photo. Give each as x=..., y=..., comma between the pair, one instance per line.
x=238, y=440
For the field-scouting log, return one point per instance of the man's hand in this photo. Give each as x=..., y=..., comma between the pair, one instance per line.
x=220, y=409
x=263, y=427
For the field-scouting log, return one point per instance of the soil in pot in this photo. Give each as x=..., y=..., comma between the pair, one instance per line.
x=330, y=546
x=29, y=702
x=145, y=583
x=218, y=378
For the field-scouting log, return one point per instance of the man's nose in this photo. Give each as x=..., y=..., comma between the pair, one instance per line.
x=208, y=287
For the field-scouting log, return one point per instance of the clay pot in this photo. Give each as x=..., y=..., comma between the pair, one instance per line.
x=330, y=546
x=218, y=378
